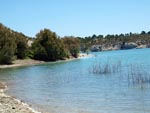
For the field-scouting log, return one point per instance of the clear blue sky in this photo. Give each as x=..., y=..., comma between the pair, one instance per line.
x=76, y=17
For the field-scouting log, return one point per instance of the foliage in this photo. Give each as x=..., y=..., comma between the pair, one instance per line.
x=7, y=46
x=104, y=68
x=142, y=38
x=48, y=46
x=72, y=44
x=12, y=45
x=22, y=46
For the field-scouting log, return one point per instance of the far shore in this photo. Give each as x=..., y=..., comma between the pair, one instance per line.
x=28, y=62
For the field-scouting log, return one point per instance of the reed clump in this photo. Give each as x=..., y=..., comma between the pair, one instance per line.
x=134, y=74
x=105, y=68
x=137, y=76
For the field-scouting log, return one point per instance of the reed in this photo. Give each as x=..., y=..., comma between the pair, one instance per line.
x=106, y=68
x=137, y=76
x=134, y=74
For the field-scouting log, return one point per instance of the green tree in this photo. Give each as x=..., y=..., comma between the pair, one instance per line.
x=72, y=44
x=48, y=46
x=143, y=33
x=7, y=46
x=22, y=47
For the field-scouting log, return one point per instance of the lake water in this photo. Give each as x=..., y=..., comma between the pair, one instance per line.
x=72, y=87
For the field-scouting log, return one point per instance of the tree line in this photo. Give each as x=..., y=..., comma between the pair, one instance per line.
x=142, y=38
x=46, y=46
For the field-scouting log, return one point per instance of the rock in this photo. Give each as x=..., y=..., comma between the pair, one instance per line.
x=96, y=48
x=148, y=46
x=2, y=86
x=130, y=45
x=117, y=47
x=141, y=46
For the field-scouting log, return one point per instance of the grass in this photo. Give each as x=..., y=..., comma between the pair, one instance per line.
x=134, y=74
x=137, y=76
x=106, y=68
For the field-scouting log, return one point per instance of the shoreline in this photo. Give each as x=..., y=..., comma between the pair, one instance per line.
x=10, y=104
x=25, y=62
x=30, y=62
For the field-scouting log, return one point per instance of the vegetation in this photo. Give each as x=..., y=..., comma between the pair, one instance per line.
x=12, y=45
x=134, y=74
x=72, y=44
x=22, y=47
x=47, y=46
x=112, y=40
x=137, y=76
x=105, y=68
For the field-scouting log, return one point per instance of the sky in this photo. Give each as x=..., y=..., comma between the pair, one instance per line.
x=76, y=17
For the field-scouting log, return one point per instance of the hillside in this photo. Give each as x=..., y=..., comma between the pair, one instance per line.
x=115, y=42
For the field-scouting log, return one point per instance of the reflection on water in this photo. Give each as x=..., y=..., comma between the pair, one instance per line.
x=69, y=87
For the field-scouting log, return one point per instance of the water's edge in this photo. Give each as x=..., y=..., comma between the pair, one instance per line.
x=11, y=104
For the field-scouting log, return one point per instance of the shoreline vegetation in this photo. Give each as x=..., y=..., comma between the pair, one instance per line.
x=10, y=104
x=29, y=62
x=47, y=46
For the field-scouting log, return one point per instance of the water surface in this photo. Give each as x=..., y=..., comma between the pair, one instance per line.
x=70, y=87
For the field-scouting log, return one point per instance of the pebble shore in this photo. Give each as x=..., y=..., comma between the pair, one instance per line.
x=9, y=104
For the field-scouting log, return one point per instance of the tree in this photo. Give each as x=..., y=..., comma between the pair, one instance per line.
x=12, y=45
x=143, y=33
x=22, y=47
x=148, y=32
x=7, y=46
x=72, y=44
x=48, y=46
x=94, y=36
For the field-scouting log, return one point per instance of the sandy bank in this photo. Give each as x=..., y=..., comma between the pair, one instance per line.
x=27, y=62
x=24, y=62
x=11, y=105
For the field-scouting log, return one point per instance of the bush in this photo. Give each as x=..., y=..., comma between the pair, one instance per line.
x=72, y=45
x=12, y=45
x=22, y=49
x=48, y=46
x=7, y=50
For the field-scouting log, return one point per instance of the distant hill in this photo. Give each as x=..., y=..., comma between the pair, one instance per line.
x=115, y=42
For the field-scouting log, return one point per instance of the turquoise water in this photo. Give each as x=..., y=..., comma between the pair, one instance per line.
x=71, y=87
